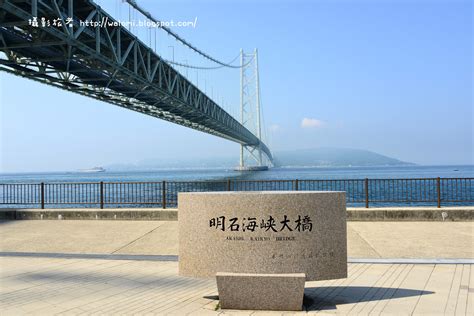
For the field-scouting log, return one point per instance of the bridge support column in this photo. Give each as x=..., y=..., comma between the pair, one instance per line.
x=251, y=157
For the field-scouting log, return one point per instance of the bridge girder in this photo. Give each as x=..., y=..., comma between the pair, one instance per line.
x=108, y=63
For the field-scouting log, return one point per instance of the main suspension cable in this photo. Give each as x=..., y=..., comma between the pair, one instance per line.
x=134, y=4
x=207, y=68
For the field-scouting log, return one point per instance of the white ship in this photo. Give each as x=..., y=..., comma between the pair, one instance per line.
x=95, y=169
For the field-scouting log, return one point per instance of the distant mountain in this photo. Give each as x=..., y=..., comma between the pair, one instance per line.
x=334, y=157
x=317, y=157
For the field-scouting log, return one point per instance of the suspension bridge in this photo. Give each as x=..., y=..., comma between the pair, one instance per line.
x=77, y=46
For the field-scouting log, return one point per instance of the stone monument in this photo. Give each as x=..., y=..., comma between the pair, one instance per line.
x=276, y=239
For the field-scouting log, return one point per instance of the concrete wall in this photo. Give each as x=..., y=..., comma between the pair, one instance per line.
x=134, y=214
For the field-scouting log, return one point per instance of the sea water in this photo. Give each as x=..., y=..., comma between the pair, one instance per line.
x=285, y=173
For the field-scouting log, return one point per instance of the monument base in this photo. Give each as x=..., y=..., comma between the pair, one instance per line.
x=253, y=291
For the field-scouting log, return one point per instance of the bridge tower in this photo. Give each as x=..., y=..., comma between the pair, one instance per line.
x=251, y=157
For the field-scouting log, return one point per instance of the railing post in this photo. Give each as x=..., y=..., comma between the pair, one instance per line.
x=438, y=191
x=101, y=194
x=228, y=184
x=366, y=185
x=42, y=195
x=34, y=8
x=163, y=194
x=296, y=185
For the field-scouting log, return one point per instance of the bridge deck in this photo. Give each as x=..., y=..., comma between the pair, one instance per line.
x=107, y=63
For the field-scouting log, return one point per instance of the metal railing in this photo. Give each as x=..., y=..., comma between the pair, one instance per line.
x=363, y=192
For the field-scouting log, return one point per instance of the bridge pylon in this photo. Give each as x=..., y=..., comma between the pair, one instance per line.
x=252, y=158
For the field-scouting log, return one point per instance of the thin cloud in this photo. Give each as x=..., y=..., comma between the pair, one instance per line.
x=274, y=128
x=312, y=123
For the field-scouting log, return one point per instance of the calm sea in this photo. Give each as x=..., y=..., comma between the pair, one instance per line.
x=220, y=174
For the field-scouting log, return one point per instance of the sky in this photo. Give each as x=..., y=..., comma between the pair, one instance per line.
x=394, y=77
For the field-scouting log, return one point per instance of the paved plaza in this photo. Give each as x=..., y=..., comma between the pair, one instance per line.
x=115, y=267
x=98, y=286
x=365, y=239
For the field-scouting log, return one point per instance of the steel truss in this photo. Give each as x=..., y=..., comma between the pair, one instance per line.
x=108, y=63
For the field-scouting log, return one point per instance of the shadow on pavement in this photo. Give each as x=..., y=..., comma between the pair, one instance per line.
x=320, y=298
x=6, y=221
x=55, y=255
x=63, y=285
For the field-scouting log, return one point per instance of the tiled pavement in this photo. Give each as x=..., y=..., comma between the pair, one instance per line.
x=103, y=286
x=365, y=239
